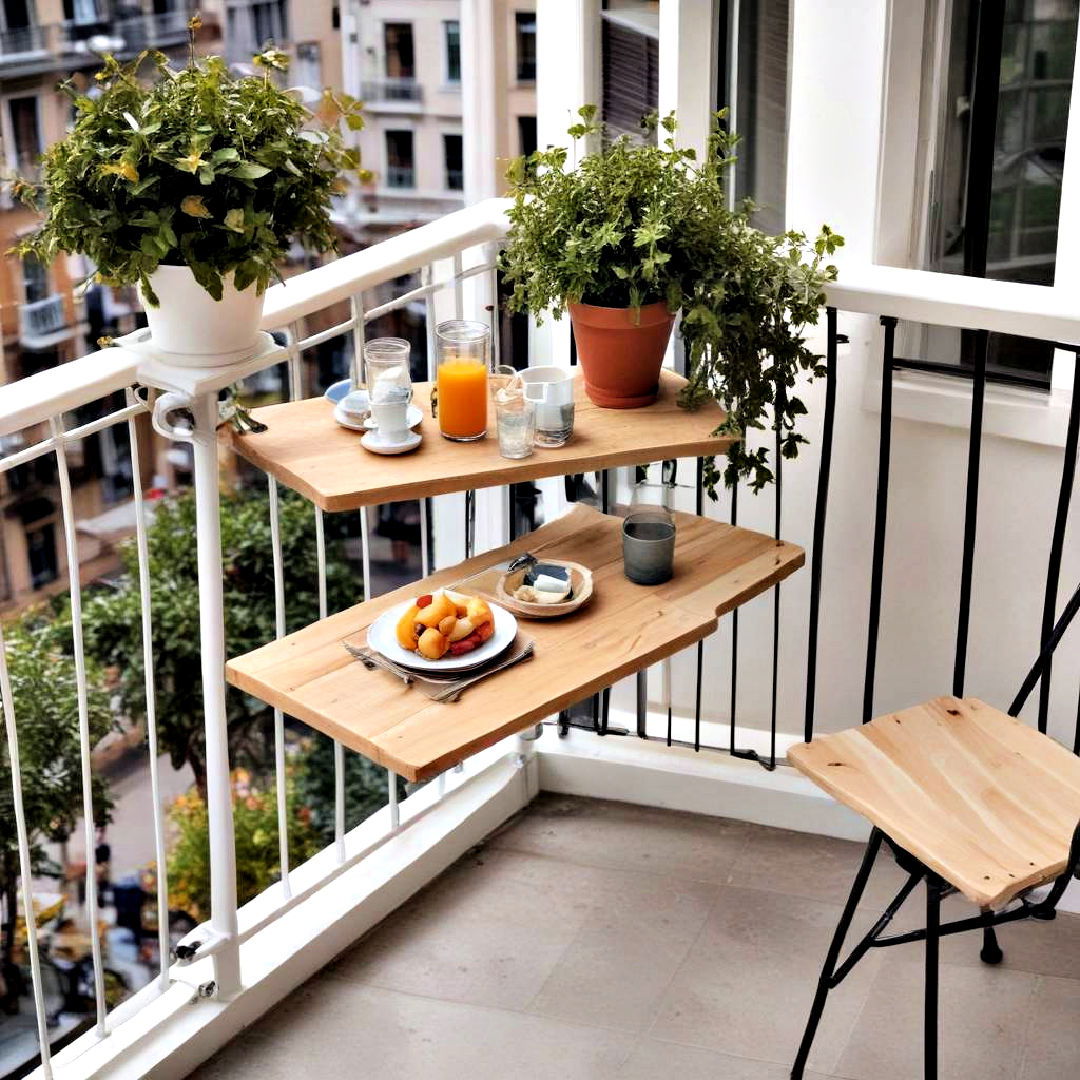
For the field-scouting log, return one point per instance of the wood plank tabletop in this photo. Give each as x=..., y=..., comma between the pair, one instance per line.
x=625, y=628
x=307, y=451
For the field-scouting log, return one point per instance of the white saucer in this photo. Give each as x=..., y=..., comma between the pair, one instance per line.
x=371, y=442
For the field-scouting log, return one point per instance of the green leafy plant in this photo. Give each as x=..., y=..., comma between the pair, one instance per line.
x=255, y=827
x=191, y=167
x=45, y=693
x=639, y=222
x=111, y=616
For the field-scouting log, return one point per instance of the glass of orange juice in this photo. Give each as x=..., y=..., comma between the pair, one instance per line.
x=464, y=351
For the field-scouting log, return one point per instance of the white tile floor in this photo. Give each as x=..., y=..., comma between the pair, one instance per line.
x=598, y=941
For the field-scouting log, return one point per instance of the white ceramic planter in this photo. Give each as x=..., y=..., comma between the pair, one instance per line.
x=195, y=329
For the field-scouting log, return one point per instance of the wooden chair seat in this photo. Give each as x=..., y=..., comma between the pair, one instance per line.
x=981, y=798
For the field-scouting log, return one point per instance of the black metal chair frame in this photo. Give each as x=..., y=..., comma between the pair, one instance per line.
x=834, y=971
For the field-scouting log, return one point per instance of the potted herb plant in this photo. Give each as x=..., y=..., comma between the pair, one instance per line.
x=192, y=184
x=638, y=232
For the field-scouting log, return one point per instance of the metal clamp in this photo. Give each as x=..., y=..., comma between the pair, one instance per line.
x=161, y=418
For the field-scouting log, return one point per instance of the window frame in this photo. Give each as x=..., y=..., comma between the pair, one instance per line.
x=448, y=76
x=520, y=18
x=386, y=25
x=387, y=133
x=446, y=136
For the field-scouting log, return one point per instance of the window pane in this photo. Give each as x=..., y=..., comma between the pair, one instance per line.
x=452, y=31
x=399, y=159
x=525, y=22
x=398, y=41
x=455, y=172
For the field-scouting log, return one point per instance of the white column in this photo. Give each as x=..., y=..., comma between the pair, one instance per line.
x=481, y=102
x=212, y=647
x=687, y=77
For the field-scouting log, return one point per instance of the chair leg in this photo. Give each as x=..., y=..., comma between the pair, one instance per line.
x=991, y=951
x=824, y=984
x=930, y=1014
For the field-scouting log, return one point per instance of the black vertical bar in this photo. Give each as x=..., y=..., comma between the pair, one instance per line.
x=820, y=509
x=734, y=635
x=982, y=135
x=779, y=405
x=1057, y=543
x=699, y=509
x=971, y=510
x=930, y=1003
x=881, y=507
x=470, y=521
x=602, y=702
x=511, y=512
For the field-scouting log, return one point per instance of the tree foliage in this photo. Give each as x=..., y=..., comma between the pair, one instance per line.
x=255, y=826
x=114, y=633
x=636, y=223
x=191, y=167
x=45, y=696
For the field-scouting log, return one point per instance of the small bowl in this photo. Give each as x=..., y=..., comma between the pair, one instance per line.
x=581, y=590
x=335, y=393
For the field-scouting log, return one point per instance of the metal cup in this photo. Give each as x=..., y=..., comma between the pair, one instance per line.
x=649, y=546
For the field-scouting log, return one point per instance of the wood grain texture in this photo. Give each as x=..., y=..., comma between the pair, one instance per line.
x=987, y=802
x=307, y=451
x=625, y=628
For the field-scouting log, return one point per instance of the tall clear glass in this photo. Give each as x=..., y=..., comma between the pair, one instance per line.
x=464, y=354
x=386, y=370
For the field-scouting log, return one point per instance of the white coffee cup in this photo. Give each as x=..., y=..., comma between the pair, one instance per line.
x=391, y=420
x=551, y=390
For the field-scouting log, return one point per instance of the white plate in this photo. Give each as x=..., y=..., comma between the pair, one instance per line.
x=372, y=442
x=347, y=420
x=382, y=637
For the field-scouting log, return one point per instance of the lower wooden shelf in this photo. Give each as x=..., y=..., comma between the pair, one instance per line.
x=625, y=628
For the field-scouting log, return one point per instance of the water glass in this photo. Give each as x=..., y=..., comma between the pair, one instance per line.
x=649, y=545
x=386, y=366
x=515, y=421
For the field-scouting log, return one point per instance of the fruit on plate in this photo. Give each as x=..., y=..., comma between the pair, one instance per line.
x=445, y=623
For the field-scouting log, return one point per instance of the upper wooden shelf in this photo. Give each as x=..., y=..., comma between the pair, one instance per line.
x=625, y=628
x=307, y=451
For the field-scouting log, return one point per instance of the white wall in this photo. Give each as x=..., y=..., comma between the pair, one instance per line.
x=833, y=151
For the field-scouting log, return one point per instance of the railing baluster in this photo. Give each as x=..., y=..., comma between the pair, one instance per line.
x=26, y=876
x=279, y=718
x=734, y=519
x=778, y=507
x=459, y=295
x=820, y=509
x=699, y=510
x=143, y=554
x=71, y=545
x=1057, y=544
x=880, y=514
x=971, y=510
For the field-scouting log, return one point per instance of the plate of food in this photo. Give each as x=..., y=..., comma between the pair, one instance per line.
x=442, y=631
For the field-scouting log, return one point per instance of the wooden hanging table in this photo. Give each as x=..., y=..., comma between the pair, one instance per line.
x=625, y=628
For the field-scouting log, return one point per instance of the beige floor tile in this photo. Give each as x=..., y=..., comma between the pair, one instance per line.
x=341, y=1030
x=654, y=1060
x=984, y=1019
x=747, y=985
x=476, y=935
x=619, y=835
x=1052, y=1050
x=627, y=951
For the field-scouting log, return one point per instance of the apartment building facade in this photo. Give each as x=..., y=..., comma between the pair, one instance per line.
x=43, y=322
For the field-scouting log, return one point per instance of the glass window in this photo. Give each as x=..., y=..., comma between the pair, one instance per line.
x=35, y=279
x=630, y=65
x=997, y=162
x=41, y=555
x=526, y=135
x=455, y=167
x=25, y=131
x=398, y=42
x=399, y=159
x=307, y=67
x=525, y=25
x=452, y=37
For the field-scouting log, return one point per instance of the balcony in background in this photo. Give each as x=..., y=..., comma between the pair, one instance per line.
x=43, y=323
x=391, y=94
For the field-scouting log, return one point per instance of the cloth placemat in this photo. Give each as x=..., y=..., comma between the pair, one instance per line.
x=444, y=688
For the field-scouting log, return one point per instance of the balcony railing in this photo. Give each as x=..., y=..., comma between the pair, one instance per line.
x=391, y=89
x=400, y=176
x=767, y=679
x=41, y=319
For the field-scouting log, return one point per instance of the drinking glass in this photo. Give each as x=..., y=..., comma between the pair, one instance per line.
x=515, y=421
x=649, y=545
x=386, y=367
x=464, y=351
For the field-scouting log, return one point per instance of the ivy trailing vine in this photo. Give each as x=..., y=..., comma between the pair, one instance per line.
x=636, y=222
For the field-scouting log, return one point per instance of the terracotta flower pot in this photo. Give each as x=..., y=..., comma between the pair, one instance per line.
x=620, y=357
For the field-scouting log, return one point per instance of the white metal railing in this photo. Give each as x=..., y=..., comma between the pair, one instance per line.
x=391, y=89
x=453, y=257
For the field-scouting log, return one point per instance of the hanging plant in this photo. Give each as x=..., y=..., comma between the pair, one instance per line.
x=639, y=222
